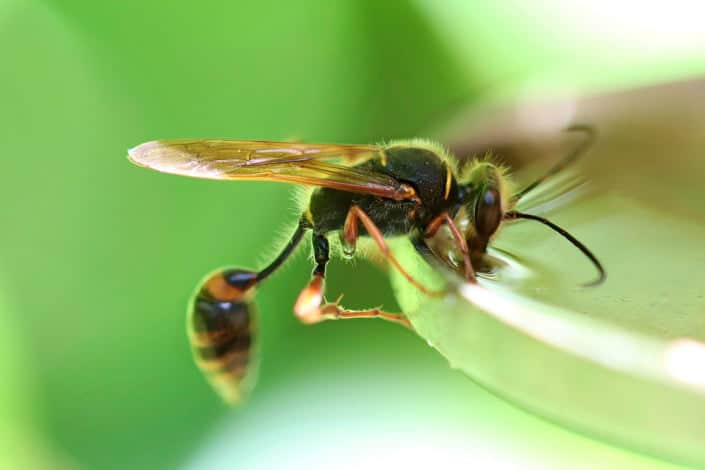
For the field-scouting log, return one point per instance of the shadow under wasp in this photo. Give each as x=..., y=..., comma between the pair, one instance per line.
x=406, y=188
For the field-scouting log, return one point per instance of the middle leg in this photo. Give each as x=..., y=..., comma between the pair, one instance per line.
x=350, y=235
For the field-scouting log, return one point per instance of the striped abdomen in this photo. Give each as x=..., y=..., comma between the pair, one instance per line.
x=221, y=325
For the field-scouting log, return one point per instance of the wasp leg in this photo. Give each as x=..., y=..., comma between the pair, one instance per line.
x=590, y=135
x=311, y=297
x=433, y=228
x=309, y=307
x=350, y=234
x=334, y=311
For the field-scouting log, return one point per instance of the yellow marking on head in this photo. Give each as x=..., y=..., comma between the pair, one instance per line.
x=499, y=173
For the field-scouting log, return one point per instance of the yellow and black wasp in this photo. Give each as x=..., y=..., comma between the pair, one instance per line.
x=406, y=188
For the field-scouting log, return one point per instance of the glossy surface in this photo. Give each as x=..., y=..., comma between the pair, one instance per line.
x=623, y=361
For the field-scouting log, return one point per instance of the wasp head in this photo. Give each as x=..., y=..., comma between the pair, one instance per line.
x=486, y=199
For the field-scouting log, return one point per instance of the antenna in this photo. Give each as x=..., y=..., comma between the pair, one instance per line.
x=513, y=215
x=590, y=136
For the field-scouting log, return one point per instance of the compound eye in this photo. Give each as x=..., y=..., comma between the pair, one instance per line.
x=488, y=213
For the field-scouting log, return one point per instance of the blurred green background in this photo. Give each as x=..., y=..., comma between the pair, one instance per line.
x=98, y=257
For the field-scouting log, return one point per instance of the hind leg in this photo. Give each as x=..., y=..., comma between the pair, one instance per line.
x=309, y=307
x=308, y=303
x=334, y=311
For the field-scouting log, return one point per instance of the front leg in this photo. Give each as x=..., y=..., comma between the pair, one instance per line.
x=462, y=245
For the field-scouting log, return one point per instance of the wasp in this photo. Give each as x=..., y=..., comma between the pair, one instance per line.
x=409, y=188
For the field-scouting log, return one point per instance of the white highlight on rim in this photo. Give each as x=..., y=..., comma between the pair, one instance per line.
x=572, y=333
x=685, y=360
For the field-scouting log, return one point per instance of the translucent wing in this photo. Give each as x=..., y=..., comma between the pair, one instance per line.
x=535, y=155
x=299, y=163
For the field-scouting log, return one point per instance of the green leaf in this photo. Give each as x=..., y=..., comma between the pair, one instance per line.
x=624, y=361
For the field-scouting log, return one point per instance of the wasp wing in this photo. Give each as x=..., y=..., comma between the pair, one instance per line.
x=299, y=163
